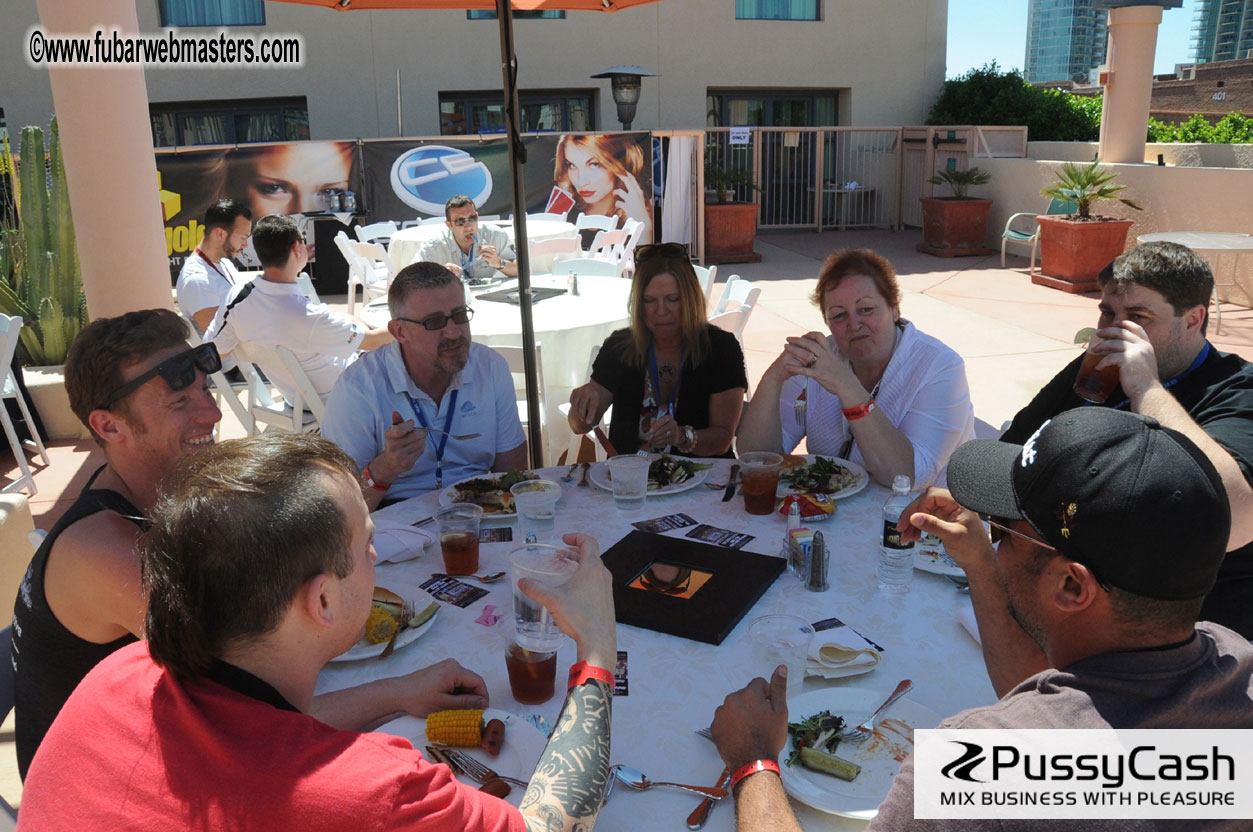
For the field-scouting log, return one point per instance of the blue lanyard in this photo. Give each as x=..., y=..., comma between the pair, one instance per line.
x=674, y=394
x=443, y=439
x=467, y=257
x=1171, y=382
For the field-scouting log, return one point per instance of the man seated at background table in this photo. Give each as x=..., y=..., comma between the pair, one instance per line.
x=431, y=378
x=272, y=311
x=1154, y=311
x=259, y=568
x=207, y=273
x=468, y=249
x=1092, y=515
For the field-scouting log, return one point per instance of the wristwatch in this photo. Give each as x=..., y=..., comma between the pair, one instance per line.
x=689, y=440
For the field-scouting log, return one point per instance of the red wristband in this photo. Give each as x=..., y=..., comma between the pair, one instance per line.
x=859, y=412
x=373, y=483
x=753, y=768
x=582, y=672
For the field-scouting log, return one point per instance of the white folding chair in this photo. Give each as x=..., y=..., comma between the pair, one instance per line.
x=600, y=222
x=706, y=276
x=223, y=390
x=368, y=267
x=10, y=333
x=431, y=221
x=635, y=231
x=576, y=439
x=542, y=217
x=585, y=266
x=728, y=290
x=734, y=320
x=545, y=252
x=608, y=245
x=376, y=231
x=304, y=414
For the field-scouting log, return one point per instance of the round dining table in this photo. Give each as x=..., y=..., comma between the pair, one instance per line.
x=567, y=328
x=675, y=684
x=405, y=243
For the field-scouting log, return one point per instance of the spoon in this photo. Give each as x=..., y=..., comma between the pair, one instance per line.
x=487, y=579
x=569, y=475
x=635, y=779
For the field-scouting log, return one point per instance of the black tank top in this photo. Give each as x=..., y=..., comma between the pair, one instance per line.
x=48, y=660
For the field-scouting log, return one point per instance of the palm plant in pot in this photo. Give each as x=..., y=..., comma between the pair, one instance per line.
x=730, y=227
x=1075, y=247
x=956, y=225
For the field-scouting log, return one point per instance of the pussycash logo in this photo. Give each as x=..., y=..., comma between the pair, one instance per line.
x=1142, y=764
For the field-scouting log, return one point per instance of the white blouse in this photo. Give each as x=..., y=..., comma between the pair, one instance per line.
x=923, y=393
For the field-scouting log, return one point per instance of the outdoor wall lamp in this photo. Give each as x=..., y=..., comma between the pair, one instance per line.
x=624, y=81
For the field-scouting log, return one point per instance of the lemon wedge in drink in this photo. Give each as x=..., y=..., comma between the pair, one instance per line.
x=1084, y=335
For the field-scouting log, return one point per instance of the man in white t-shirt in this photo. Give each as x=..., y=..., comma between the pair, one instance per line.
x=467, y=249
x=272, y=311
x=431, y=377
x=207, y=273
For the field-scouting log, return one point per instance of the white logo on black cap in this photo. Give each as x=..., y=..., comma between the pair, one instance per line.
x=1028, y=448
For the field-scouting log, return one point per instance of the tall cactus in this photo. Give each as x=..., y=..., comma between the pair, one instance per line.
x=39, y=265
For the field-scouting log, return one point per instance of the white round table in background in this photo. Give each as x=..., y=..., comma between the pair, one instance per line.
x=567, y=327
x=1213, y=245
x=406, y=242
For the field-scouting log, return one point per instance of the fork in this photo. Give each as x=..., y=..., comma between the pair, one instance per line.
x=798, y=406
x=569, y=475
x=583, y=482
x=458, y=436
x=863, y=732
x=407, y=611
x=475, y=770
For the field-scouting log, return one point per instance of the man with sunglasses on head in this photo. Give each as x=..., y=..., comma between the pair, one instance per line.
x=272, y=311
x=141, y=391
x=1110, y=530
x=473, y=251
x=431, y=378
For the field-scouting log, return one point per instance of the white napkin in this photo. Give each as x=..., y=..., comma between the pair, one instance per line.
x=839, y=652
x=966, y=617
x=399, y=542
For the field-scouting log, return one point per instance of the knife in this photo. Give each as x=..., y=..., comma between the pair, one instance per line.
x=700, y=814
x=732, y=482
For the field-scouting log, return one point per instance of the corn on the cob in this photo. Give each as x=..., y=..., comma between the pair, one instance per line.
x=457, y=728
x=380, y=625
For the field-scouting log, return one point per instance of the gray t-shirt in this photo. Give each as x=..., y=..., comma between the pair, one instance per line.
x=1207, y=682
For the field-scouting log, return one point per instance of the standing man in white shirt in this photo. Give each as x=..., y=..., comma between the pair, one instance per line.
x=207, y=273
x=273, y=312
x=467, y=249
x=432, y=377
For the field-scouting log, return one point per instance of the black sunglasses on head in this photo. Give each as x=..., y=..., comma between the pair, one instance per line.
x=178, y=371
x=648, y=251
x=460, y=315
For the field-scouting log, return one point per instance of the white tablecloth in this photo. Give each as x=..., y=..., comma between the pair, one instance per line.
x=405, y=243
x=567, y=327
x=676, y=684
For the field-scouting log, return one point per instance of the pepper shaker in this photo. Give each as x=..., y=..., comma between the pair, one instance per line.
x=817, y=566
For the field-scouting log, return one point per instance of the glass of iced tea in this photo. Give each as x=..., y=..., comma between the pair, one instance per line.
x=1090, y=383
x=459, y=537
x=532, y=673
x=760, y=481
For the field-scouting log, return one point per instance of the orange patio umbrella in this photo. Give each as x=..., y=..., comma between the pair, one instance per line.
x=517, y=155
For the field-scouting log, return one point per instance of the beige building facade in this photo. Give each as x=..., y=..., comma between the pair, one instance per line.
x=860, y=63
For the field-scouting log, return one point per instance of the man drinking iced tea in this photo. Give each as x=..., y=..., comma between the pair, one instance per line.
x=1153, y=315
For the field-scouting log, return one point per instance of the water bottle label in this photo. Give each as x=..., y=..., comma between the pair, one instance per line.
x=892, y=537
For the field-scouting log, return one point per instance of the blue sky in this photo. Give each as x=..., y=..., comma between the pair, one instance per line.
x=985, y=30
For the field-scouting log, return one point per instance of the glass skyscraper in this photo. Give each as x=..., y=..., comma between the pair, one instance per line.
x=1222, y=30
x=1065, y=39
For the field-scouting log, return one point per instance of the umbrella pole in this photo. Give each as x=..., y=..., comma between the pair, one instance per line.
x=517, y=157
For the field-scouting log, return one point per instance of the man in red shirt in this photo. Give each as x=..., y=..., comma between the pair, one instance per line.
x=259, y=568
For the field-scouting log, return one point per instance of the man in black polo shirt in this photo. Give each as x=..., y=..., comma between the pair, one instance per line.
x=1154, y=310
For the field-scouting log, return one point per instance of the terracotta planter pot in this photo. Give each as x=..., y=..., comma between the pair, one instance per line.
x=729, y=233
x=1072, y=254
x=47, y=391
x=954, y=227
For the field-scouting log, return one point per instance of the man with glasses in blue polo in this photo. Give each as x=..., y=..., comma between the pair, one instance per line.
x=475, y=252
x=397, y=410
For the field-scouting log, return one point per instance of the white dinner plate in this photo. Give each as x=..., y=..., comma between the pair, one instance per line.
x=365, y=650
x=449, y=496
x=880, y=757
x=599, y=475
x=863, y=478
x=521, y=750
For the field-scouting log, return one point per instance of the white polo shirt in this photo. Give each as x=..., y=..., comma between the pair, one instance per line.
x=361, y=405
x=278, y=315
x=202, y=286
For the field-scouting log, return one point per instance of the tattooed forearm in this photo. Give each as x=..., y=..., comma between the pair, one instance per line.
x=570, y=779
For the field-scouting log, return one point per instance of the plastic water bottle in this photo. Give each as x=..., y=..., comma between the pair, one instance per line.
x=896, y=560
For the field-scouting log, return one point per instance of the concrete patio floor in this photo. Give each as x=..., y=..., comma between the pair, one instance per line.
x=1012, y=334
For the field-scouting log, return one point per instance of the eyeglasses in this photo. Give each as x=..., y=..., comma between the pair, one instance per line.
x=178, y=371
x=999, y=527
x=648, y=251
x=460, y=221
x=460, y=315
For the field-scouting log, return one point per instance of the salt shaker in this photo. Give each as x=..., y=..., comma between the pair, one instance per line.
x=817, y=566
x=791, y=550
x=574, y=284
